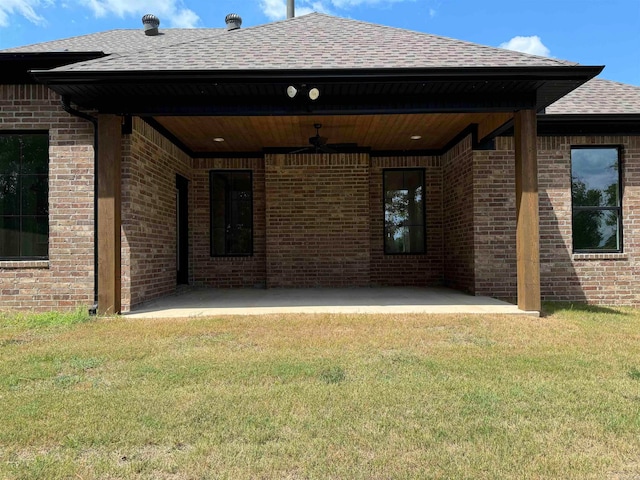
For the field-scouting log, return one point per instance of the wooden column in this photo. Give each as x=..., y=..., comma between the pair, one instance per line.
x=527, y=223
x=109, y=201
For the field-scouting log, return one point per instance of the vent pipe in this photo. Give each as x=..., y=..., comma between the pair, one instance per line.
x=290, y=9
x=151, y=24
x=233, y=21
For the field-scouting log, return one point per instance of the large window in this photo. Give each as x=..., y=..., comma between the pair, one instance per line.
x=231, y=213
x=404, y=225
x=24, y=191
x=596, y=197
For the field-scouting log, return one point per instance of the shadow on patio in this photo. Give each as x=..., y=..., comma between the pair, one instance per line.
x=198, y=301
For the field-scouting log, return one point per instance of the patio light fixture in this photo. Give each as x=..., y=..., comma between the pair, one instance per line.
x=313, y=93
x=292, y=91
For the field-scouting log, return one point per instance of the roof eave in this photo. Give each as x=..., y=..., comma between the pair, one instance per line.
x=570, y=124
x=16, y=67
x=417, y=90
x=589, y=124
x=564, y=72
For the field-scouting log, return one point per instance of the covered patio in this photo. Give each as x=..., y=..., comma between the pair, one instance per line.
x=301, y=122
x=201, y=302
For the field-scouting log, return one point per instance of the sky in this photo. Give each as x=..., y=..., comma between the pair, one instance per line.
x=590, y=32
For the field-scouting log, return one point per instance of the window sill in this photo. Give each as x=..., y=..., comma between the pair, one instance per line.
x=600, y=256
x=23, y=264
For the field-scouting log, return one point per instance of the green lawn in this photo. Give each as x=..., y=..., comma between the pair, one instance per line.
x=322, y=396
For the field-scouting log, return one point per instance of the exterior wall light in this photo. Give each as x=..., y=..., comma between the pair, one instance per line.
x=218, y=139
x=314, y=93
x=416, y=137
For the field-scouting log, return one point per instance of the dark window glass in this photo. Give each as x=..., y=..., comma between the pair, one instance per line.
x=24, y=195
x=231, y=213
x=596, y=198
x=404, y=217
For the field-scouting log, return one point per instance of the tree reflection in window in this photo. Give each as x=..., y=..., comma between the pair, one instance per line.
x=596, y=199
x=24, y=195
x=404, y=222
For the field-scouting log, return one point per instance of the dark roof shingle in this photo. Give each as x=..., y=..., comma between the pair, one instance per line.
x=599, y=96
x=316, y=41
x=119, y=41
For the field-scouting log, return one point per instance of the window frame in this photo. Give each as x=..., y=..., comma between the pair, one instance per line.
x=212, y=253
x=20, y=257
x=422, y=171
x=576, y=209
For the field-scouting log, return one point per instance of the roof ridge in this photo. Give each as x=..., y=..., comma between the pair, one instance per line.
x=64, y=39
x=103, y=33
x=159, y=47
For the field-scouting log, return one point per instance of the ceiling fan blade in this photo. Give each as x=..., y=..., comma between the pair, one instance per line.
x=299, y=150
x=326, y=149
x=342, y=145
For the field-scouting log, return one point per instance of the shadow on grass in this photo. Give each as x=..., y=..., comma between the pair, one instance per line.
x=549, y=308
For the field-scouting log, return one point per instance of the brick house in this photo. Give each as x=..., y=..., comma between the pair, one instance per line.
x=316, y=151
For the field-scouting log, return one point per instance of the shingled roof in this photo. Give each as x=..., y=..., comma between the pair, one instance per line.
x=119, y=41
x=599, y=96
x=314, y=41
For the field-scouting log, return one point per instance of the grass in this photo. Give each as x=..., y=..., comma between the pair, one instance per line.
x=322, y=396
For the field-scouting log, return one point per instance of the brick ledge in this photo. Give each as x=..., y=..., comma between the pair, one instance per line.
x=23, y=264
x=600, y=256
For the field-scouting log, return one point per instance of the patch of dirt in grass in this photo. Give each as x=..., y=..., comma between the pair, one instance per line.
x=8, y=342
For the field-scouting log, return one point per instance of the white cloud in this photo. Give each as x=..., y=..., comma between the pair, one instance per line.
x=277, y=9
x=171, y=12
x=25, y=8
x=532, y=45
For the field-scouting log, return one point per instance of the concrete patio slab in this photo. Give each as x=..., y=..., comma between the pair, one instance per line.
x=198, y=302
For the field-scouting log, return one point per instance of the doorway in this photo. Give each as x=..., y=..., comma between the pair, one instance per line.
x=182, y=230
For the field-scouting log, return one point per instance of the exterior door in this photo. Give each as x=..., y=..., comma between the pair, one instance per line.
x=182, y=230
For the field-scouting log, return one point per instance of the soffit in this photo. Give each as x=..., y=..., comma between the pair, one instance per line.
x=376, y=132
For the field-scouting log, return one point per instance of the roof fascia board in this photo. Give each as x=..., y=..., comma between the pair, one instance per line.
x=16, y=66
x=356, y=75
x=550, y=125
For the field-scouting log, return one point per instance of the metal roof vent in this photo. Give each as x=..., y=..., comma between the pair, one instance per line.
x=151, y=24
x=233, y=21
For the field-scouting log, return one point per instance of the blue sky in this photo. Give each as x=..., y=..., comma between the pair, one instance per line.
x=591, y=32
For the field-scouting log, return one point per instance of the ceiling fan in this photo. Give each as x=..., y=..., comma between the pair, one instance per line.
x=318, y=144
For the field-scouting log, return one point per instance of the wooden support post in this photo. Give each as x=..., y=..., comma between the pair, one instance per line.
x=527, y=223
x=109, y=201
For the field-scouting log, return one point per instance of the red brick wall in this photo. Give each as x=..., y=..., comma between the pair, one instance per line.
x=317, y=218
x=399, y=270
x=149, y=167
x=594, y=278
x=458, y=215
x=65, y=281
x=495, y=221
x=227, y=272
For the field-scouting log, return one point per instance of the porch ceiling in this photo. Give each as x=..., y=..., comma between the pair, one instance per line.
x=376, y=132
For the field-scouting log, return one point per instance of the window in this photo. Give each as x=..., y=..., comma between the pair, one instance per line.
x=404, y=225
x=24, y=193
x=231, y=213
x=596, y=198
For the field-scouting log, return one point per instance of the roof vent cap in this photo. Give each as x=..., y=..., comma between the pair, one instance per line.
x=233, y=21
x=151, y=24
